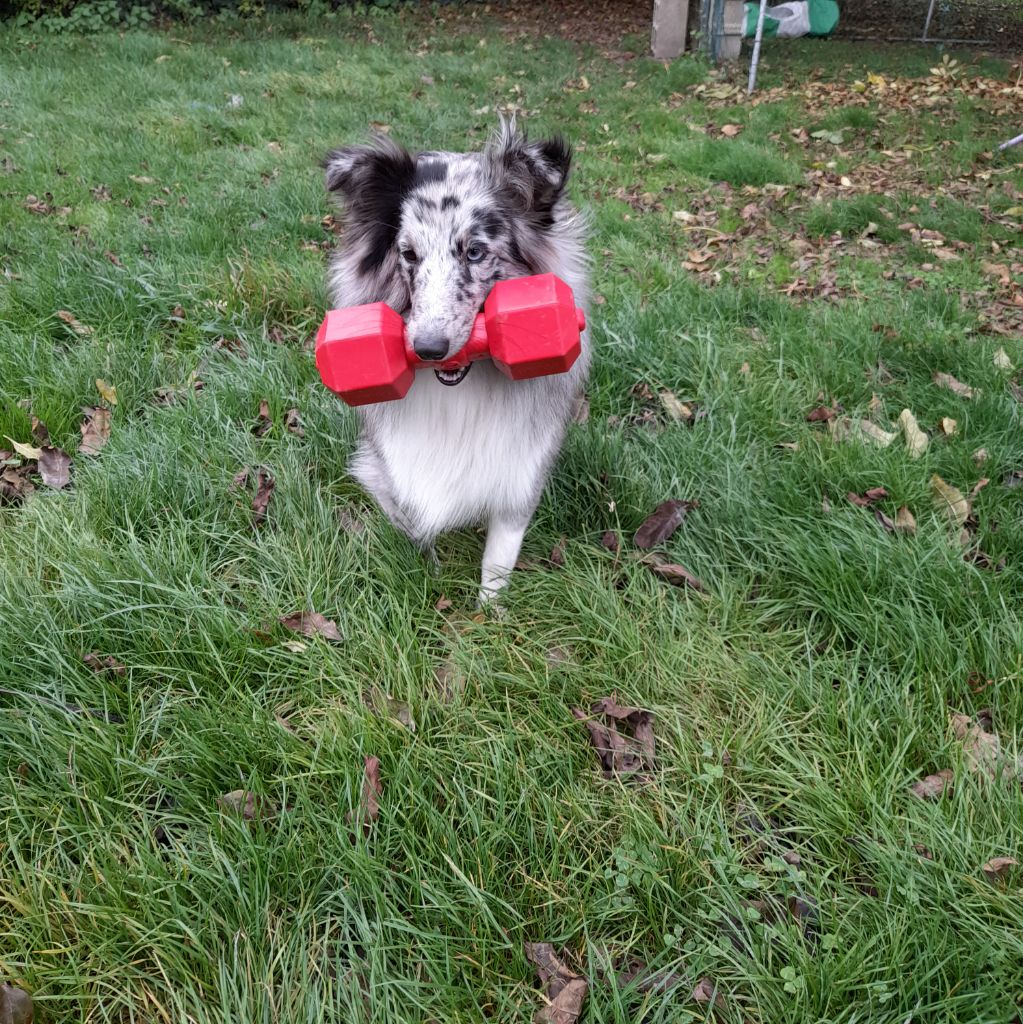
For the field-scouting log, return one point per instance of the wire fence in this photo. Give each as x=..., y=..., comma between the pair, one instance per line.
x=993, y=23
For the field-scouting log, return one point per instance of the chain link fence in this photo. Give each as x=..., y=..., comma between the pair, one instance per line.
x=997, y=24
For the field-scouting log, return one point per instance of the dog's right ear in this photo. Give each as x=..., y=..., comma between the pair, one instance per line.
x=383, y=167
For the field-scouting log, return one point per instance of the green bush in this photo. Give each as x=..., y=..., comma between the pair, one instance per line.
x=81, y=16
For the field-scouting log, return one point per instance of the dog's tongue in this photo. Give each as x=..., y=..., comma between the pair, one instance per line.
x=449, y=378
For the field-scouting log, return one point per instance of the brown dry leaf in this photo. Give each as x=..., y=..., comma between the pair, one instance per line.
x=564, y=989
x=904, y=522
x=392, y=708
x=822, y=414
x=706, y=993
x=369, y=803
x=635, y=972
x=981, y=455
x=997, y=869
x=661, y=523
x=95, y=428
x=106, y=391
x=450, y=680
x=581, y=413
x=251, y=806
x=264, y=421
x=557, y=555
x=443, y=603
x=677, y=575
x=609, y=541
x=947, y=426
x=312, y=624
x=1002, y=361
x=15, y=485
x=950, y=500
x=916, y=439
x=933, y=786
x=15, y=1005
x=76, y=325
x=39, y=432
x=729, y=131
x=98, y=663
x=293, y=423
x=55, y=467
x=619, y=754
x=265, y=485
x=233, y=345
x=982, y=750
x=867, y=498
x=946, y=380
x=678, y=411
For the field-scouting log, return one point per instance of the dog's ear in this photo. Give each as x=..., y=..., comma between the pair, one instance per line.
x=371, y=183
x=382, y=167
x=532, y=175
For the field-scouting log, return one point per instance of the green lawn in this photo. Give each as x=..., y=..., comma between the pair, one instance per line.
x=833, y=244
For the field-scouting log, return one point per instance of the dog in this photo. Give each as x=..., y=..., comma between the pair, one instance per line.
x=429, y=234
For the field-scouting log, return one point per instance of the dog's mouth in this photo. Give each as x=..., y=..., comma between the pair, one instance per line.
x=449, y=378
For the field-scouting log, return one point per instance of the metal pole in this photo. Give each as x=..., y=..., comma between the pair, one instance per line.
x=927, y=23
x=757, y=39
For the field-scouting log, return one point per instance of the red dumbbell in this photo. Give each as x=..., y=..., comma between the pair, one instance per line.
x=529, y=327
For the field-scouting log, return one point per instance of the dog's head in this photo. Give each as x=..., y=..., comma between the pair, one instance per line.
x=437, y=230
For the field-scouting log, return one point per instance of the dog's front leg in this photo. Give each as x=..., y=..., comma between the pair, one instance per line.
x=504, y=538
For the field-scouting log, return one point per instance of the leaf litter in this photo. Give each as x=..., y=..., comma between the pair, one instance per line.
x=564, y=990
x=629, y=754
x=662, y=523
x=312, y=624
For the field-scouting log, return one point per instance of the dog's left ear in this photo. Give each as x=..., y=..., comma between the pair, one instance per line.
x=532, y=174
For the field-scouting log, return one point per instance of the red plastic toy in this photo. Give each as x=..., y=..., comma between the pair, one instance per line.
x=529, y=327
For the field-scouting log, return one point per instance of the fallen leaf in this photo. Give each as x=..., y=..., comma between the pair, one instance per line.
x=557, y=555
x=369, y=803
x=39, y=432
x=265, y=485
x=106, y=391
x=822, y=414
x=76, y=325
x=293, y=423
x=706, y=993
x=581, y=414
x=249, y=805
x=995, y=870
x=443, y=603
x=867, y=498
x=982, y=750
x=883, y=520
x=661, y=523
x=564, y=990
x=950, y=500
x=933, y=786
x=15, y=1005
x=387, y=706
x=947, y=426
x=98, y=663
x=619, y=754
x=678, y=411
x=946, y=380
x=95, y=428
x=636, y=973
x=916, y=439
x=55, y=467
x=904, y=522
x=450, y=680
x=26, y=451
x=1002, y=361
x=676, y=575
x=729, y=131
x=264, y=421
x=312, y=624
x=609, y=541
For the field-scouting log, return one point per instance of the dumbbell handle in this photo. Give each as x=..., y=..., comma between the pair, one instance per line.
x=477, y=347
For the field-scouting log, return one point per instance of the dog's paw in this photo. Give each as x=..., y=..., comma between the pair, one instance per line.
x=491, y=606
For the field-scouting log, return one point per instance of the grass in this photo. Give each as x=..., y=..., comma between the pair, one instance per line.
x=808, y=689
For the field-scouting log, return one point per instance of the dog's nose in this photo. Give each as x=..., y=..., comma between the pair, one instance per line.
x=431, y=347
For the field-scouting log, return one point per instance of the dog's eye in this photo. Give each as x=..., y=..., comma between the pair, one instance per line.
x=409, y=256
x=475, y=253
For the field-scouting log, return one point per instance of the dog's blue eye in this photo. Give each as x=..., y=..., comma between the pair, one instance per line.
x=409, y=255
x=474, y=253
